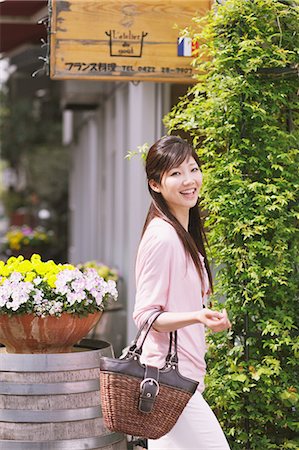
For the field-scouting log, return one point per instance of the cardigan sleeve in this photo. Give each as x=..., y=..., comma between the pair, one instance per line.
x=153, y=268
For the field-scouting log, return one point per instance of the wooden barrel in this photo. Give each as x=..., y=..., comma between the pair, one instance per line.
x=52, y=401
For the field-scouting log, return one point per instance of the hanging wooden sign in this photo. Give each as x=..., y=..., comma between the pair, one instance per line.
x=123, y=40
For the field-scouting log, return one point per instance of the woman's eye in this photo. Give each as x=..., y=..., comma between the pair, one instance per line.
x=195, y=169
x=175, y=173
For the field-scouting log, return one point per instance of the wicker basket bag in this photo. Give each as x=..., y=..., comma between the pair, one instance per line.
x=142, y=400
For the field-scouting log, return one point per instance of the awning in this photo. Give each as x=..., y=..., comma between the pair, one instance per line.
x=18, y=24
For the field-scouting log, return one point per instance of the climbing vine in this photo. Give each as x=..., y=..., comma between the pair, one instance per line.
x=242, y=115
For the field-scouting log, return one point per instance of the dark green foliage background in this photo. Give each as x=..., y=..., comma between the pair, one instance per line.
x=243, y=117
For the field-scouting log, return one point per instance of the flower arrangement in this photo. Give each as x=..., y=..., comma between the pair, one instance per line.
x=18, y=238
x=106, y=272
x=50, y=289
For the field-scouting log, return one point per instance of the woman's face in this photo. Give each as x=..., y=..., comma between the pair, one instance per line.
x=180, y=186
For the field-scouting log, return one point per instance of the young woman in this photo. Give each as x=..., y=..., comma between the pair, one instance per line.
x=173, y=276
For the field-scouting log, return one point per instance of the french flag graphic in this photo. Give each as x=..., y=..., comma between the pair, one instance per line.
x=187, y=46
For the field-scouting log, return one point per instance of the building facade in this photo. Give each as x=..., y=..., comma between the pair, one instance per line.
x=108, y=193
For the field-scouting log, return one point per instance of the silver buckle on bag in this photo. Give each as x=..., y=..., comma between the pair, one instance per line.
x=149, y=389
x=151, y=381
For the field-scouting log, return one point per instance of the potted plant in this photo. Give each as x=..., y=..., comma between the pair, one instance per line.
x=47, y=307
x=25, y=240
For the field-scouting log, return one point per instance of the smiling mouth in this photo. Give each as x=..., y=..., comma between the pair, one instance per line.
x=188, y=191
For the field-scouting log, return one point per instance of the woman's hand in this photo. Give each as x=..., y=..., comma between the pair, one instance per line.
x=215, y=320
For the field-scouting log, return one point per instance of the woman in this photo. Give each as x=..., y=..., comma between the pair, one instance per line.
x=173, y=276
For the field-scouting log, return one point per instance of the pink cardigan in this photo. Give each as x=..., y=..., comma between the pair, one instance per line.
x=167, y=280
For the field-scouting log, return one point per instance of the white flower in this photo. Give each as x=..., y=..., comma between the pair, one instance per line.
x=38, y=296
x=71, y=298
x=98, y=298
x=37, y=280
x=111, y=289
x=14, y=292
x=56, y=308
x=15, y=277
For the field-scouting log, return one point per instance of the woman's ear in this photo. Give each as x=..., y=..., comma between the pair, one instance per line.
x=154, y=186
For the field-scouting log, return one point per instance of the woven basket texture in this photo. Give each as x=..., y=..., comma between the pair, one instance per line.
x=120, y=398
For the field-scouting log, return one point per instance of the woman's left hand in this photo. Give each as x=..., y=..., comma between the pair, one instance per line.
x=215, y=320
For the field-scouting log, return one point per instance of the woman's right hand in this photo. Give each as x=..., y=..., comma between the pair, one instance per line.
x=215, y=320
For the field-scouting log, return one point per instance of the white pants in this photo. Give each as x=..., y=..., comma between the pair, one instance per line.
x=197, y=428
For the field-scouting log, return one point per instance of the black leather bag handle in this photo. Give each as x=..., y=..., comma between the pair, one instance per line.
x=156, y=314
x=133, y=348
x=172, y=355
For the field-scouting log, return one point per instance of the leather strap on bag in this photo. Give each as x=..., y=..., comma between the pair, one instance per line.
x=133, y=348
x=149, y=389
x=150, y=324
x=149, y=386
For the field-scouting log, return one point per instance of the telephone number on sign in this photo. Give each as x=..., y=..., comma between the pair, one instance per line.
x=113, y=68
x=180, y=70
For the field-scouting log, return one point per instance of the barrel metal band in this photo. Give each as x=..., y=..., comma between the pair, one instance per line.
x=65, y=387
x=70, y=444
x=57, y=415
x=56, y=362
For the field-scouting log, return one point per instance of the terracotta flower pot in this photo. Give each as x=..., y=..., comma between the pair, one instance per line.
x=27, y=333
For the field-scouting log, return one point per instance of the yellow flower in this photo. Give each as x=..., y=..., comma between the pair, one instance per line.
x=30, y=276
x=25, y=266
x=6, y=271
x=35, y=258
x=13, y=260
x=51, y=280
x=41, y=267
x=67, y=266
x=103, y=271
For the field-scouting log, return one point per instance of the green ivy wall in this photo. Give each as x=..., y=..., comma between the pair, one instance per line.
x=243, y=117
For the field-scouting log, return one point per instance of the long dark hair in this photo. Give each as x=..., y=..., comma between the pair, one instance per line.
x=166, y=153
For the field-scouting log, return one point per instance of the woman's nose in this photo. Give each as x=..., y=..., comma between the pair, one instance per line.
x=188, y=179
